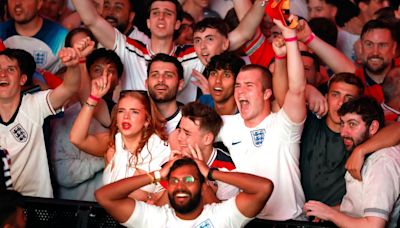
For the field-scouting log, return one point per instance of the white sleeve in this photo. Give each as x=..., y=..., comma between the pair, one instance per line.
x=382, y=188
x=291, y=132
x=146, y=215
x=230, y=214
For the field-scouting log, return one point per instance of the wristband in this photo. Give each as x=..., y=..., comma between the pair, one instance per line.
x=279, y=57
x=210, y=172
x=93, y=97
x=290, y=39
x=309, y=39
x=82, y=61
x=157, y=176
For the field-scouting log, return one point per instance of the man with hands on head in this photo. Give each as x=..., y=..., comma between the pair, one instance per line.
x=185, y=178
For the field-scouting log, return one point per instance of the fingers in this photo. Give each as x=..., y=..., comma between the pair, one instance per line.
x=195, y=152
x=201, y=81
x=84, y=46
x=69, y=56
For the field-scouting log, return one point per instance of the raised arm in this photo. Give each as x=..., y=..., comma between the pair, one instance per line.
x=71, y=83
x=101, y=29
x=93, y=144
x=386, y=137
x=279, y=76
x=330, y=55
x=248, y=26
x=295, y=102
x=101, y=112
x=255, y=190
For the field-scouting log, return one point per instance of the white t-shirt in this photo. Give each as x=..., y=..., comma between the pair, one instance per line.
x=378, y=193
x=173, y=121
x=136, y=34
x=23, y=137
x=345, y=43
x=153, y=155
x=270, y=150
x=135, y=56
x=225, y=214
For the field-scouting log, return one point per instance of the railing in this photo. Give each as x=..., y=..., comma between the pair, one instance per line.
x=49, y=213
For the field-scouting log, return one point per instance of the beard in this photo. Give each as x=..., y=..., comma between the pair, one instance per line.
x=117, y=24
x=24, y=21
x=376, y=70
x=169, y=96
x=356, y=142
x=192, y=204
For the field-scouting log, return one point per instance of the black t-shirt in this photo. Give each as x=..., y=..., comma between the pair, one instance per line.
x=322, y=162
x=5, y=175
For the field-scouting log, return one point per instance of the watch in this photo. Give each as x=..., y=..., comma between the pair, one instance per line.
x=210, y=172
x=157, y=176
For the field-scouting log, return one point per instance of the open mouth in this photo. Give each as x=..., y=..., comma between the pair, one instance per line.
x=4, y=83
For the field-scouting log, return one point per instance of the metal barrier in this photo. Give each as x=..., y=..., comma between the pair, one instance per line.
x=49, y=213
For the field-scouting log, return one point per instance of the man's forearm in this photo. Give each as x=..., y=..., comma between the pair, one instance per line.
x=342, y=220
x=86, y=11
x=386, y=137
x=247, y=27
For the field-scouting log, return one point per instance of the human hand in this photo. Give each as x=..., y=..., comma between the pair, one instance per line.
x=303, y=31
x=287, y=31
x=165, y=169
x=84, y=46
x=69, y=56
x=203, y=167
x=102, y=84
x=279, y=47
x=355, y=162
x=201, y=81
x=318, y=210
x=316, y=102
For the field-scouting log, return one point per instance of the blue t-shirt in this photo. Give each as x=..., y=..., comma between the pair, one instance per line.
x=44, y=45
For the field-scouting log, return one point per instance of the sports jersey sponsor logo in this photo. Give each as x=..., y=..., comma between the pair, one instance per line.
x=234, y=143
x=205, y=224
x=258, y=137
x=19, y=133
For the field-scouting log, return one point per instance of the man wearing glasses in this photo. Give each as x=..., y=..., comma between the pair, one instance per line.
x=186, y=178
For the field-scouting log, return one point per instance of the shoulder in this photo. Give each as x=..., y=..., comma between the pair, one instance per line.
x=51, y=25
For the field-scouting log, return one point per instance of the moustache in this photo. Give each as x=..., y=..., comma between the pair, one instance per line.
x=111, y=18
x=161, y=86
x=174, y=193
x=375, y=57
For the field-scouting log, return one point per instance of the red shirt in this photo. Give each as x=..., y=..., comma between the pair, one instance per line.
x=2, y=47
x=260, y=50
x=372, y=88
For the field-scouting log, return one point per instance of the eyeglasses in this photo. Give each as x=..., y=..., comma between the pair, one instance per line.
x=188, y=180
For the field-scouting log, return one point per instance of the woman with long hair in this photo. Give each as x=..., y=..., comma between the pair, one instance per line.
x=136, y=143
